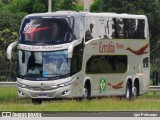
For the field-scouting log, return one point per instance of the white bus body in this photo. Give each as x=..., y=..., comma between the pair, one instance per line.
x=82, y=54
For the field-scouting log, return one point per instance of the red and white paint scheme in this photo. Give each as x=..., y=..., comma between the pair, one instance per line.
x=69, y=54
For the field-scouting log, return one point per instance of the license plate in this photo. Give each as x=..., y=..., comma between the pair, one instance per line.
x=42, y=96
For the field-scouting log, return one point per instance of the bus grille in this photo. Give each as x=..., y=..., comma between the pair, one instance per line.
x=43, y=88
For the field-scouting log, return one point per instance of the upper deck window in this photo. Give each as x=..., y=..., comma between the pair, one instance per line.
x=116, y=28
x=129, y=28
x=46, y=31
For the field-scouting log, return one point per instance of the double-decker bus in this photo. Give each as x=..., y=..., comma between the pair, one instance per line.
x=69, y=54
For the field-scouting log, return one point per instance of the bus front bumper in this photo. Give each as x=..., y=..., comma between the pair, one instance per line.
x=61, y=92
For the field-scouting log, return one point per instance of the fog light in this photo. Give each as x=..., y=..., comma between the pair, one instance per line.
x=66, y=92
x=20, y=93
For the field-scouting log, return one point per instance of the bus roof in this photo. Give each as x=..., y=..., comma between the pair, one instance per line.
x=58, y=13
x=115, y=15
x=74, y=14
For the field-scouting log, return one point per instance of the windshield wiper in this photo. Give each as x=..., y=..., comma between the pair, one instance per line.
x=52, y=74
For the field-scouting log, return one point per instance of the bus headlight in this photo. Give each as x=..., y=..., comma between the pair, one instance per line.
x=65, y=84
x=21, y=85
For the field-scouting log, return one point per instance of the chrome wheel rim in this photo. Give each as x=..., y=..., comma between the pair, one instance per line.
x=85, y=93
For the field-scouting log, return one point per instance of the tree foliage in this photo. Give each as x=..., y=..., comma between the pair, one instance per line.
x=38, y=6
x=69, y=4
x=7, y=69
x=10, y=20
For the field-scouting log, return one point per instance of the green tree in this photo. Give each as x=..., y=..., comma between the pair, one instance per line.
x=69, y=4
x=28, y=6
x=6, y=1
x=10, y=20
x=79, y=7
x=7, y=69
x=16, y=6
x=38, y=6
x=1, y=4
x=56, y=5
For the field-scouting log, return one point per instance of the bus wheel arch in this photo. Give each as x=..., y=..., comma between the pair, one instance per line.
x=128, y=93
x=87, y=90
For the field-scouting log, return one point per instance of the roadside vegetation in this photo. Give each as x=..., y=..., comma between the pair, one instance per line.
x=9, y=101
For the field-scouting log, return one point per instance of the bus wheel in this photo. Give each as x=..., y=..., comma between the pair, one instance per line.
x=128, y=91
x=135, y=91
x=36, y=101
x=86, y=92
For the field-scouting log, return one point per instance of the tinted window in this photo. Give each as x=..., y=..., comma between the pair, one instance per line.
x=115, y=28
x=107, y=64
x=146, y=62
x=46, y=30
x=76, y=61
x=79, y=28
x=119, y=28
x=92, y=28
x=128, y=28
x=140, y=29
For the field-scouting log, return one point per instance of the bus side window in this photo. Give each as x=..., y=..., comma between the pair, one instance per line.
x=134, y=28
x=107, y=64
x=76, y=61
x=140, y=29
x=130, y=28
x=114, y=26
x=88, y=33
x=118, y=28
x=91, y=31
x=146, y=62
x=79, y=28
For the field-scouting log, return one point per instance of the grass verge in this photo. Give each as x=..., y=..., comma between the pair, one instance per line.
x=10, y=102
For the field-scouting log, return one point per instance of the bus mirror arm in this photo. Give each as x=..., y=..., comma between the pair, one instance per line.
x=9, y=50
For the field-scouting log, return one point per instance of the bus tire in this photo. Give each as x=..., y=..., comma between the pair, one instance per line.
x=128, y=94
x=36, y=101
x=135, y=90
x=86, y=92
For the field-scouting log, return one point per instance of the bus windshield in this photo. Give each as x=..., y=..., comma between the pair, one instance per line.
x=46, y=31
x=43, y=64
